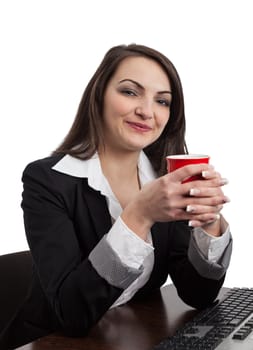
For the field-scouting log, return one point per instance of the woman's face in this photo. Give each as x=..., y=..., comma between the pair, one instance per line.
x=136, y=105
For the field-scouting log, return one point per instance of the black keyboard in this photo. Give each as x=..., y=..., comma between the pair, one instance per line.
x=212, y=325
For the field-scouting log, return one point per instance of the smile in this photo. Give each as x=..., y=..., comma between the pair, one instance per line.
x=139, y=126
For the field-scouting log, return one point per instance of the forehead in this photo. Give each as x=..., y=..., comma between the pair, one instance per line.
x=143, y=70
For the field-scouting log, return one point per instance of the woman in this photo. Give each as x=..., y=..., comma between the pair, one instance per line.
x=104, y=220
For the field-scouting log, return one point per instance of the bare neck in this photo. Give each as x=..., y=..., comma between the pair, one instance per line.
x=118, y=164
x=121, y=172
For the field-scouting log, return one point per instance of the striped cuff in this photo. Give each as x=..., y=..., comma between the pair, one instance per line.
x=206, y=268
x=109, y=266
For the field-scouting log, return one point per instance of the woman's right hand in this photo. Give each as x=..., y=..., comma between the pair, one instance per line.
x=168, y=199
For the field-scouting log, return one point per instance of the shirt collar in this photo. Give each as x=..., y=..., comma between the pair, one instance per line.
x=91, y=169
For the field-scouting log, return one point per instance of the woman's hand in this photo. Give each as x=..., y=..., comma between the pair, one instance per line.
x=168, y=199
x=212, y=226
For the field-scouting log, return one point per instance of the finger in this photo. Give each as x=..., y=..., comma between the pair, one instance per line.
x=208, y=193
x=213, y=180
x=210, y=174
x=203, y=220
x=188, y=171
x=204, y=185
x=201, y=209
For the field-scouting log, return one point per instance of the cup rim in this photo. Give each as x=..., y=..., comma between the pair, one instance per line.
x=188, y=156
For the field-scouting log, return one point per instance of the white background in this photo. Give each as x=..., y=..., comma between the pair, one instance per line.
x=49, y=51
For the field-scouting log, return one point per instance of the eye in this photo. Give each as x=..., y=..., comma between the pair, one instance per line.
x=164, y=102
x=128, y=92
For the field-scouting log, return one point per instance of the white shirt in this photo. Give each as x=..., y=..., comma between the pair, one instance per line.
x=132, y=250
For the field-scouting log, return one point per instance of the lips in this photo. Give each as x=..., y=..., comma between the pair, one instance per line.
x=139, y=126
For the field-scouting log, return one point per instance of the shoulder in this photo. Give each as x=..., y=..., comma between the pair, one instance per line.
x=41, y=171
x=44, y=163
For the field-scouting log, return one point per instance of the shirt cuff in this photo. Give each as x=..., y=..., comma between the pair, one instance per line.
x=206, y=268
x=212, y=248
x=112, y=269
x=131, y=249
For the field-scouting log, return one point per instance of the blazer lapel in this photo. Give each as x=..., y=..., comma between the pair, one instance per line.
x=160, y=242
x=98, y=210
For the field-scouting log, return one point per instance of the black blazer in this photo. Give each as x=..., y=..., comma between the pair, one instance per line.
x=64, y=220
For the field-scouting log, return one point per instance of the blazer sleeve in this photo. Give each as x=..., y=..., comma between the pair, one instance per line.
x=197, y=280
x=78, y=295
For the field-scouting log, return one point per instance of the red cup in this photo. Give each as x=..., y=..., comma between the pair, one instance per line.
x=179, y=160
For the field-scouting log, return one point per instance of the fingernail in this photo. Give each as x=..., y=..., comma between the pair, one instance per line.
x=206, y=173
x=224, y=181
x=194, y=191
x=192, y=223
x=217, y=217
x=190, y=208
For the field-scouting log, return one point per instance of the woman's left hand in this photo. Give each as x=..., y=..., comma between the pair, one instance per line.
x=210, y=187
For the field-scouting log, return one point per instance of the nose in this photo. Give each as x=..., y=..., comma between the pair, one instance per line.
x=145, y=110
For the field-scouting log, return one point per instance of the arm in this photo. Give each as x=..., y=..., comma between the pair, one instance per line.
x=61, y=237
x=197, y=280
x=166, y=199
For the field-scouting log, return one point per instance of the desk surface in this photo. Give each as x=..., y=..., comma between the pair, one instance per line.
x=137, y=325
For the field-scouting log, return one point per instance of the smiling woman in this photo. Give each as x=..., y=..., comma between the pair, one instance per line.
x=103, y=219
x=136, y=111
x=136, y=107
x=83, y=141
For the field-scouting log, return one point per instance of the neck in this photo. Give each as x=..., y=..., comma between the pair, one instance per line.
x=123, y=165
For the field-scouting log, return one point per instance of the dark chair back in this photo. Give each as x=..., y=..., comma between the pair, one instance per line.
x=15, y=278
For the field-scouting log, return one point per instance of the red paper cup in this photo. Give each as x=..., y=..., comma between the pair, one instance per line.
x=177, y=161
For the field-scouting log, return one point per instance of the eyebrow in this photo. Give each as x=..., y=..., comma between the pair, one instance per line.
x=141, y=87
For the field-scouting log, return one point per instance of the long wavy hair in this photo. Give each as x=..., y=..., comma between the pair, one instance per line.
x=86, y=132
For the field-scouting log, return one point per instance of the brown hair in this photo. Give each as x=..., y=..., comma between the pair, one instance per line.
x=86, y=132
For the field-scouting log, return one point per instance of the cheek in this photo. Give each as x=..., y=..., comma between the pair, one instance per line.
x=121, y=106
x=163, y=119
x=115, y=105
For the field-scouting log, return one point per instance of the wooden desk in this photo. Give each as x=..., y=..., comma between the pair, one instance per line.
x=139, y=325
